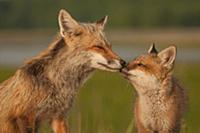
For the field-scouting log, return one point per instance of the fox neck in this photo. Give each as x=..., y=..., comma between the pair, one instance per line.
x=63, y=66
x=156, y=107
x=158, y=91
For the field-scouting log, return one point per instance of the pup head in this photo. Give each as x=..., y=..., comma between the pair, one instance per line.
x=151, y=68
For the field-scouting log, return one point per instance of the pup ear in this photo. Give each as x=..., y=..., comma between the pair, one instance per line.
x=152, y=49
x=168, y=56
x=102, y=22
x=66, y=22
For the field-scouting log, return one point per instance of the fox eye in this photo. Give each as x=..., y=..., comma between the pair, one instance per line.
x=78, y=33
x=140, y=65
x=100, y=47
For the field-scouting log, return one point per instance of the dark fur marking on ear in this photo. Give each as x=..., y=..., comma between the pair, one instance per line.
x=152, y=49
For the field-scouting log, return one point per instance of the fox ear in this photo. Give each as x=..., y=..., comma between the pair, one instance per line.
x=152, y=49
x=168, y=56
x=66, y=22
x=102, y=22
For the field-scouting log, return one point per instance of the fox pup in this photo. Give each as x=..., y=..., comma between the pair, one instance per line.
x=160, y=101
x=45, y=87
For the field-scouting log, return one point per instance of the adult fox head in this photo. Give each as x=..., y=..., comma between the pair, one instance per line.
x=89, y=38
x=152, y=68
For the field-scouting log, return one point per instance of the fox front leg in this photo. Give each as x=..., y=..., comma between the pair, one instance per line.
x=28, y=124
x=21, y=126
x=59, y=125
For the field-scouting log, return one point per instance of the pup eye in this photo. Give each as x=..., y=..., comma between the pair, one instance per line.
x=140, y=65
x=78, y=33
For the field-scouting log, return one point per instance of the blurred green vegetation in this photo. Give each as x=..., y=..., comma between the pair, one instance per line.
x=105, y=103
x=126, y=13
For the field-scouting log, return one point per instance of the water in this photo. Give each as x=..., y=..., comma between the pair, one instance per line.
x=129, y=52
x=14, y=55
x=17, y=48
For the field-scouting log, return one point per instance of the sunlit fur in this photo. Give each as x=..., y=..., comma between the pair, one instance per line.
x=161, y=100
x=45, y=86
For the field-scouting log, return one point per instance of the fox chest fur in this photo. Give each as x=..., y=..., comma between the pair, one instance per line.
x=56, y=82
x=60, y=97
x=158, y=109
x=153, y=111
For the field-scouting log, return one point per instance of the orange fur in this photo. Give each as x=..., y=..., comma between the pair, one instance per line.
x=59, y=125
x=45, y=86
x=161, y=100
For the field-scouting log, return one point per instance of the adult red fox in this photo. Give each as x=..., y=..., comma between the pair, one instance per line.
x=45, y=86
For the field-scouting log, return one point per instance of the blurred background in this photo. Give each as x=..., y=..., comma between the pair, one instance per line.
x=105, y=103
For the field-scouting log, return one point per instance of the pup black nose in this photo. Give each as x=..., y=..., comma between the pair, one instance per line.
x=122, y=62
x=125, y=72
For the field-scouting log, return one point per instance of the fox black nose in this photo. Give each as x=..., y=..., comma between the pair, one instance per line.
x=122, y=62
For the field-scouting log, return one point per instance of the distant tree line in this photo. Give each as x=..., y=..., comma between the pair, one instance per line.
x=122, y=13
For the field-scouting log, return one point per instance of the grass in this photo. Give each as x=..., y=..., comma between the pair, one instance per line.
x=105, y=103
